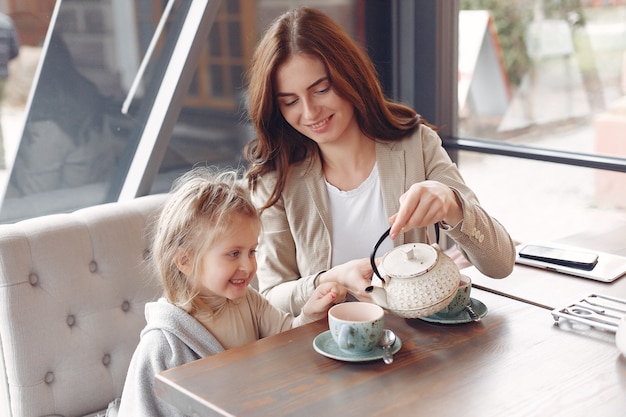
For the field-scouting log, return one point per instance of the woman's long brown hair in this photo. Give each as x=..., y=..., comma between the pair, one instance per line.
x=352, y=75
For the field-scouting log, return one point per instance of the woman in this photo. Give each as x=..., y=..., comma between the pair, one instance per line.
x=335, y=163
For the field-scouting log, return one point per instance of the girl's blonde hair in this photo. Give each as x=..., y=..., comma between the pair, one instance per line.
x=198, y=212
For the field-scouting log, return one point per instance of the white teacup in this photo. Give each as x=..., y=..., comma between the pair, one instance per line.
x=460, y=300
x=356, y=326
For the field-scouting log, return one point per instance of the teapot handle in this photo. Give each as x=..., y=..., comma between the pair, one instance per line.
x=380, y=241
x=373, y=255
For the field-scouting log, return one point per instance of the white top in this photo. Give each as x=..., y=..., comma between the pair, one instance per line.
x=359, y=220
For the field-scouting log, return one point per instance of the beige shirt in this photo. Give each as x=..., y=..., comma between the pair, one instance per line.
x=245, y=320
x=295, y=243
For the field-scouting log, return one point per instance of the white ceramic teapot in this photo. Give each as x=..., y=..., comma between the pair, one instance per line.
x=418, y=279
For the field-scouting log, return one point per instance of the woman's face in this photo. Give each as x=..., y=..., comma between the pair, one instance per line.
x=229, y=265
x=309, y=103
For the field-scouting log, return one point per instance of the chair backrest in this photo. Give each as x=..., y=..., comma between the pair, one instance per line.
x=72, y=293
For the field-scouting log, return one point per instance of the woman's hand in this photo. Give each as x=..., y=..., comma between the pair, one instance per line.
x=424, y=204
x=325, y=296
x=353, y=275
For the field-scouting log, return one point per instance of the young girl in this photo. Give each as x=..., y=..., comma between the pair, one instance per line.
x=205, y=253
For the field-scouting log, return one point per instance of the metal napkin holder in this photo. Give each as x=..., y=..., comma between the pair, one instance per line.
x=596, y=310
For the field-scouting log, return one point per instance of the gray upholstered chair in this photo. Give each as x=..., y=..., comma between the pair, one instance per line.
x=72, y=294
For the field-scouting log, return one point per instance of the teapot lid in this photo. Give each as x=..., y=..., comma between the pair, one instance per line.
x=410, y=260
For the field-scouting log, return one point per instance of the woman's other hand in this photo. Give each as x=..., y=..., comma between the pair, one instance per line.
x=353, y=275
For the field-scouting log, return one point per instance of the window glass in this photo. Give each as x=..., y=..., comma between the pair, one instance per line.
x=76, y=141
x=533, y=67
x=549, y=74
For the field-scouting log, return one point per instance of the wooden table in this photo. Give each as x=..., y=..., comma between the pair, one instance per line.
x=514, y=362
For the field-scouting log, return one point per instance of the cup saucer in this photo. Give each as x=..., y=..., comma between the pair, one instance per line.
x=324, y=344
x=463, y=317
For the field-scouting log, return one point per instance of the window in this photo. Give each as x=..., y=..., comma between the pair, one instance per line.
x=78, y=146
x=550, y=76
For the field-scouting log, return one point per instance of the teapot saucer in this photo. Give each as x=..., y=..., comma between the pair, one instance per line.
x=324, y=344
x=462, y=317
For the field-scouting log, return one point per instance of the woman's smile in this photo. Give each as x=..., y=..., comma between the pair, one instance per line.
x=318, y=127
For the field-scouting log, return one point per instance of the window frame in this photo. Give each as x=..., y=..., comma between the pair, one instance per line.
x=154, y=138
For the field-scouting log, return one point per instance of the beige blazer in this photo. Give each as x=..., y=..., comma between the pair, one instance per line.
x=295, y=243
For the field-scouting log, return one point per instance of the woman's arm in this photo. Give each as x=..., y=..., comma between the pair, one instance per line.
x=278, y=274
x=482, y=239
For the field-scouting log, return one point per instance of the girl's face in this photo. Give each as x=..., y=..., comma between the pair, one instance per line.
x=229, y=265
x=309, y=103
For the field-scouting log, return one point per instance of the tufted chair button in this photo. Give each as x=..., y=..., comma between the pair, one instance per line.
x=93, y=266
x=49, y=378
x=125, y=306
x=33, y=279
x=71, y=320
x=106, y=359
x=146, y=254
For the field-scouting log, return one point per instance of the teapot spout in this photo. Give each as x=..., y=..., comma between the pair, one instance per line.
x=378, y=294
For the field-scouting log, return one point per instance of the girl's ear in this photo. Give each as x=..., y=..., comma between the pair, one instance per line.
x=184, y=262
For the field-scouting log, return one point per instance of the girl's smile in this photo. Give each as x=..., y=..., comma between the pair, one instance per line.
x=319, y=127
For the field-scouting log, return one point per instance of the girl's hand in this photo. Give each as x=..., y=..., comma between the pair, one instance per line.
x=424, y=204
x=325, y=296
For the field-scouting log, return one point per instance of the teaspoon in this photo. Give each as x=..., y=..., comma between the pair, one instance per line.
x=387, y=339
x=471, y=312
